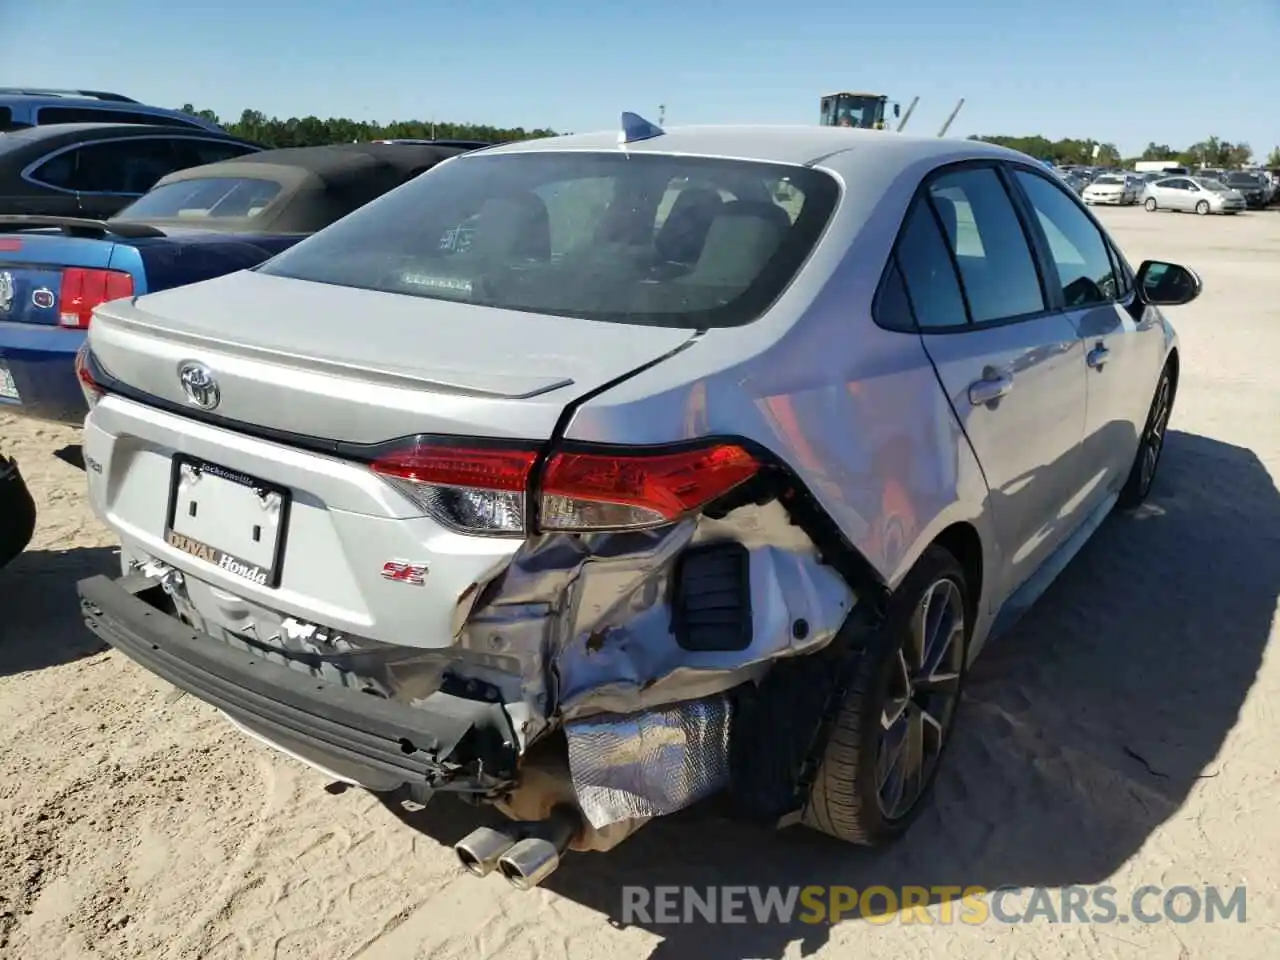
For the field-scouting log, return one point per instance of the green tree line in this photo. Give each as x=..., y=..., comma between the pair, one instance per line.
x=1210, y=152
x=313, y=131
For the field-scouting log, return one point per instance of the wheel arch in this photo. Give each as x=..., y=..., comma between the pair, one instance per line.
x=963, y=542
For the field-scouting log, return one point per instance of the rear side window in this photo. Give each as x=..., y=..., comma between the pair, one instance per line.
x=203, y=199
x=6, y=121
x=929, y=273
x=1085, y=269
x=892, y=306
x=991, y=249
x=194, y=152
x=129, y=166
x=96, y=115
x=650, y=239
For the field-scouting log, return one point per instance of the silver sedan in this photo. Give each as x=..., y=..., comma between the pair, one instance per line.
x=654, y=459
x=1200, y=195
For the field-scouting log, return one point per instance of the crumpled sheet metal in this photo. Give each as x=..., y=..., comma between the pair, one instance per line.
x=633, y=662
x=651, y=763
x=585, y=620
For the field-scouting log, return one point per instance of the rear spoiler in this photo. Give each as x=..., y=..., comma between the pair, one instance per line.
x=79, y=226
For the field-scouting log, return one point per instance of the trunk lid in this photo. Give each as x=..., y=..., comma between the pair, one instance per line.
x=31, y=268
x=360, y=366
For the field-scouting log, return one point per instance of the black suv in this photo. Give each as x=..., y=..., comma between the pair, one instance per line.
x=1249, y=185
x=92, y=170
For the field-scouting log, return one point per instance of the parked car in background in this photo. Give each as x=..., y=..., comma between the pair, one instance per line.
x=1111, y=188
x=22, y=107
x=17, y=509
x=1250, y=186
x=492, y=520
x=1162, y=168
x=1071, y=180
x=95, y=169
x=1192, y=195
x=194, y=224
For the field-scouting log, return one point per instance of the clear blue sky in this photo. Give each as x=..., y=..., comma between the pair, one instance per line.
x=1173, y=71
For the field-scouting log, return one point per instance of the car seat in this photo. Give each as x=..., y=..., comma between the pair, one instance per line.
x=512, y=227
x=740, y=241
x=682, y=234
x=761, y=209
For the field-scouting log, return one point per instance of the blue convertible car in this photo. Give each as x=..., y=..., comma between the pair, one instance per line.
x=194, y=224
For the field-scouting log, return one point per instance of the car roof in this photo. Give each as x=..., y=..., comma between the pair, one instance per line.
x=771, y=144
x=317, y=184
x=71, y=131
x=335, y=161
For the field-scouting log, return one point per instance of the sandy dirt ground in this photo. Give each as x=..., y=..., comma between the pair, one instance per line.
x=1126, y=734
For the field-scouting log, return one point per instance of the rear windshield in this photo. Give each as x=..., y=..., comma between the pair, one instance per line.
x=202, y=199
x=641, y=238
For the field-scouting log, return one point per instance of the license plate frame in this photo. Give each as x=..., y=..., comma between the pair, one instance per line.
x=8, y=385
x=238, y=566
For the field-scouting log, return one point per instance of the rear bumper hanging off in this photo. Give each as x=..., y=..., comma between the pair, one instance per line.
x=444, y=742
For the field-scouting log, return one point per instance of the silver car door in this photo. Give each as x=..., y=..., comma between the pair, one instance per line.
x=1123, y=344
x=1180, y=194
x=1012, y=369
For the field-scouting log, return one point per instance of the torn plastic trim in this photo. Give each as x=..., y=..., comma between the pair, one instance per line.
x=542, y=607
x=407, y=675
x=621, y=652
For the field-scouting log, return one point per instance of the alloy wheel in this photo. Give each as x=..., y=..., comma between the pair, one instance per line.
x=923, y=693
x=1153, y=442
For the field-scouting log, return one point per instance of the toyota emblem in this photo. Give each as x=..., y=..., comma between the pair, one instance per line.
x=199, y=385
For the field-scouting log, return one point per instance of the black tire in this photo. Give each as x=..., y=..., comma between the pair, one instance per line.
x=1151, y=205
x=1202, y=207
x=846, y=801
x=1151, y=445
x=17, y=512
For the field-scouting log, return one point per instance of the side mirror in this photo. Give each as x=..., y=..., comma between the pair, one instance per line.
x=1163, y=284
x=897, y=109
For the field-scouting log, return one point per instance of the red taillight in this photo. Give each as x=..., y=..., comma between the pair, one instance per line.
x=10, y=244
x=83, y=289
x=472, y=489
x=598, y=491
x=93, y=392
x=475, y=489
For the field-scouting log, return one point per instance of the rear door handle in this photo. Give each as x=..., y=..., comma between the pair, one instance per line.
x=1097, y=356
x=990, y=388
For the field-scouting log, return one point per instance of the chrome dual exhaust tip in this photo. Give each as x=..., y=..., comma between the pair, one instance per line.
x=529, y=862
x=525, y=857
x=479, y=850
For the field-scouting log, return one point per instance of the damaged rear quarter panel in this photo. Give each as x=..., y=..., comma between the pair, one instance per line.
x=854, y=410
x=593, y=613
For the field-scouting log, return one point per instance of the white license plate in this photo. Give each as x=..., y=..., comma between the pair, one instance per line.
x=8, y=389
x=228, y=519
